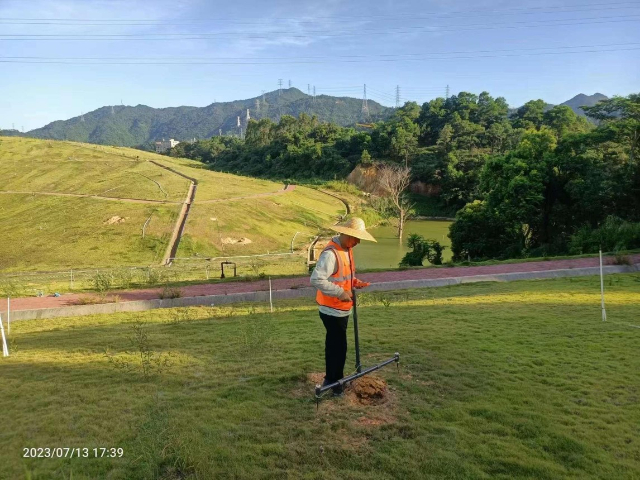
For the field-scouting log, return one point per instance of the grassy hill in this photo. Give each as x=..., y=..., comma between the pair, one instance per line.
x=496, y=380
x=72, y=205
x=140, y=125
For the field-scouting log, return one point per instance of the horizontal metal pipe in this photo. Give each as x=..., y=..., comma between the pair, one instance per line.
x=321, y=389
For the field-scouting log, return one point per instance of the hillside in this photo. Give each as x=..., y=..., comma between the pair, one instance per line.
x=582, y=100
x=141, y=125
x=72, y=205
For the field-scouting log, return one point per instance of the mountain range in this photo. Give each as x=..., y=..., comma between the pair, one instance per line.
x=142, y=125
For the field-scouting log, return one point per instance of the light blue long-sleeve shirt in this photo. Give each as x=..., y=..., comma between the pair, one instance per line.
x=325, y=267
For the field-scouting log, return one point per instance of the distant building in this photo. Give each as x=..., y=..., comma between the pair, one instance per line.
x=163, y=145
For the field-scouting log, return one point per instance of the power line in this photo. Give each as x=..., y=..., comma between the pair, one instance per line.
x=386, y=60
x=346, y=18
x=313, y=34
x=353, y=87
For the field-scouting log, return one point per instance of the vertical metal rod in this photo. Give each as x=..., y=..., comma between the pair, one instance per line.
x=355, y=331
x=355, y=314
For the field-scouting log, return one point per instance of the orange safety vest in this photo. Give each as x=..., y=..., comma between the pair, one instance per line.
x=343, y=277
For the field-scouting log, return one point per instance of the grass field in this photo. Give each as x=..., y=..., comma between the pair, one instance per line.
x=30, y=165
x=47, y=233
x=269, y=222
x=43, y=232
x=497, y=380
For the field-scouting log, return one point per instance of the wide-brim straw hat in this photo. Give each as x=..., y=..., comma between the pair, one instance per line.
x=354, y=227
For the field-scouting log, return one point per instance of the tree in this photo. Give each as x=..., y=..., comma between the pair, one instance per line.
x=563, y=120
x=530, y=115
x=622, y=115
x=394, y=180
x=421, y=249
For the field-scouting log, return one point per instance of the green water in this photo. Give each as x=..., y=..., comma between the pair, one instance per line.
x=388, y=252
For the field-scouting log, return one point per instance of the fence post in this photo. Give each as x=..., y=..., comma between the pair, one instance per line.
x=71, y=281
x=270, y=298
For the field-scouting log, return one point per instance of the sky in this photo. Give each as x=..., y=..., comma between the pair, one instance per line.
x=61, y=58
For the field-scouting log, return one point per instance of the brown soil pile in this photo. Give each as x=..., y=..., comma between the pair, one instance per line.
x=114, y=220
x=370, y=390
x=234, y=241
x=367, y=390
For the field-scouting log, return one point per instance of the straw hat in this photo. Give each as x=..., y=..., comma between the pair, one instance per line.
x=354, y=227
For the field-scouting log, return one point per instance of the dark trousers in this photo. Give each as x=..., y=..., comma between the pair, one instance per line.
x=335, y=346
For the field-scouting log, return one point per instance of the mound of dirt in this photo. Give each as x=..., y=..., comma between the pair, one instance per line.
x=370, y=390
x=367, y=390
x=234, y=241
x=114, y=220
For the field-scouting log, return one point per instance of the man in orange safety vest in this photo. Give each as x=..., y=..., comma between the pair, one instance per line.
x=334, y=278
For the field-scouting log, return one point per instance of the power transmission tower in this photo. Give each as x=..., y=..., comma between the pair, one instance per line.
x=248, y=116
x=314, y=94
x=447, y=92
x=308, y=89
x=397, y=96
x=263, y=96
x=279, y=86
x=219, y=132
x=257, y=105
x=81, y=117
x=112, y=112
x=289, y=83
x=365, y=104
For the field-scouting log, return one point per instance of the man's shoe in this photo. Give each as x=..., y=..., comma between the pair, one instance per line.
x=338, y=392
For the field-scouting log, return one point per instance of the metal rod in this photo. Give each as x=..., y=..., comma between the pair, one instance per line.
x=321, y=389
x=355, y=313
x=355, y=331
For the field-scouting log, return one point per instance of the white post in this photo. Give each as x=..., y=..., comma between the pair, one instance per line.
x=8, y=315
x=604, y=312
x=5, y=350
x=270, y=297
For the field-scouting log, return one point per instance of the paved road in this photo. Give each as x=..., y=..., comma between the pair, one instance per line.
x=222, y=288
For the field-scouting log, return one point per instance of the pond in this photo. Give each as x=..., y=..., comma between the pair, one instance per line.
x=388, y=252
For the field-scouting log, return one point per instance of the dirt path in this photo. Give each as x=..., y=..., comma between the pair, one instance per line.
x=222, y=288
x=287, y=189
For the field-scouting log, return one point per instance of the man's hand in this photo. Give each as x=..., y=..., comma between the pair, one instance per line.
x=359, y=284
x=345, y=296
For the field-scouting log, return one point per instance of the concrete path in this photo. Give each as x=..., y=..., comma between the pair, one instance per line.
x=227, y=292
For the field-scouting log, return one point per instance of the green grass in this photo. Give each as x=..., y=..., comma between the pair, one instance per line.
x=269, y=222
x=30, y=165
x=497, y=380
x=47, y=233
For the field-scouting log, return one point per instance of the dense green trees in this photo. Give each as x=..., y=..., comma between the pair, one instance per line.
x=524, y=183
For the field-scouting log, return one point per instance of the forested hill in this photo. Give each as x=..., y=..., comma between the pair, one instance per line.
x=141, y=125
x=582, y=100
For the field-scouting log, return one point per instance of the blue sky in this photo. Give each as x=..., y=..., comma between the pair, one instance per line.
x=169, y=53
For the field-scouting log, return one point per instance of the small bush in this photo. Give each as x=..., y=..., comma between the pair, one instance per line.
x=102, y=281
x=622, y=260
x=429, y=249
x=170, y=292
